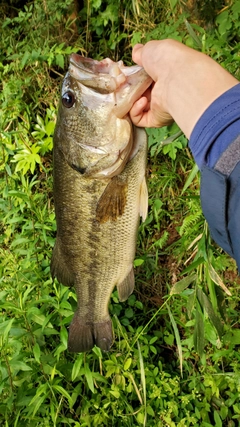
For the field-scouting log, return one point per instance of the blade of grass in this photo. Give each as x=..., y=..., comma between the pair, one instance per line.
x=143, y=381
x=177, y=336
x=217, y=279
x=190, y=178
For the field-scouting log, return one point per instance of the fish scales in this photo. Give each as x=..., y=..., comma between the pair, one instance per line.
x=97, y=221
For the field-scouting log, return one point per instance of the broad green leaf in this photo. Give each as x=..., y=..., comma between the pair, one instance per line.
x=60, y=60
x=42, y=389
x=178, y=287
x=211, y=334
x=76, y=366
x=60, y=349
x=64, y=336
x=89, y=377
x=50, y=128
x=64, y=393
x=27, y=292
x=153, y=340
x=115, y=393
x=232, y=337
x=47, y=321
x=138, y=262
x=171, y=149
x=20, y=194
x=169, y=339
x=141, y=418
x=5, y=327
x=25, y=58
x=97, y=351
x=190, y=304
x=36, y=352
x=206, y=305
x=19, y=241
x=37, y=404
x=199, y=333
x=36, y=316
x=129, y=313
x=40, y=123
x=127, y=364
x=217, y=419
x=150, y=411
x=19, y=366
x=224, y=411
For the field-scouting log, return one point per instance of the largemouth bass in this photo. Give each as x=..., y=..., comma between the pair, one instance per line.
x=99, y=191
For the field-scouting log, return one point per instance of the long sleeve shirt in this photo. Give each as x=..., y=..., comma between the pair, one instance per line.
x=215, y=145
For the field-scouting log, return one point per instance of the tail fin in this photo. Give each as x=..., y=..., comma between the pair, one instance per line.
x=103, y=336
x=83, y=336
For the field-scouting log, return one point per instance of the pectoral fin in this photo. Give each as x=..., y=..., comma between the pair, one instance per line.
x=143, y=204
x=125, y=289
x=113, y=200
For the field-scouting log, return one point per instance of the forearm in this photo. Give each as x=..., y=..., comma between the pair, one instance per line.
x=186, y=83
x=193, y=83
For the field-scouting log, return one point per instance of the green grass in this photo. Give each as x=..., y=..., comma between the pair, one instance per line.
x=175, y=357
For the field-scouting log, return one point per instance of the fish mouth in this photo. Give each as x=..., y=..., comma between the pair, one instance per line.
x=106, y=77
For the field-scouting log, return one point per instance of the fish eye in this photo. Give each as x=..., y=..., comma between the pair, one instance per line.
x=68, y=99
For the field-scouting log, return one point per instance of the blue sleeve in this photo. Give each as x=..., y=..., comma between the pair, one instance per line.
x=216, y=129
x=215, y=144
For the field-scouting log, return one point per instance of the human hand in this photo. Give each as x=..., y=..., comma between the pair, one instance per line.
x=149, y=110
x=186, y=82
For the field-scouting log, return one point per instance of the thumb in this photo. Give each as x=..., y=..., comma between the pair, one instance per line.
x=137, y=54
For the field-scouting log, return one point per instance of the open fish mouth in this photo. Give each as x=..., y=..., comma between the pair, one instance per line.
x=107, y=77
x=104, y=75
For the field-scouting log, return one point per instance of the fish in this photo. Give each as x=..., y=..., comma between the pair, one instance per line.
x=100, y=191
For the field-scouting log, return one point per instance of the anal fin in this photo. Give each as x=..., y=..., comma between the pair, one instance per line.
x=126, y=288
